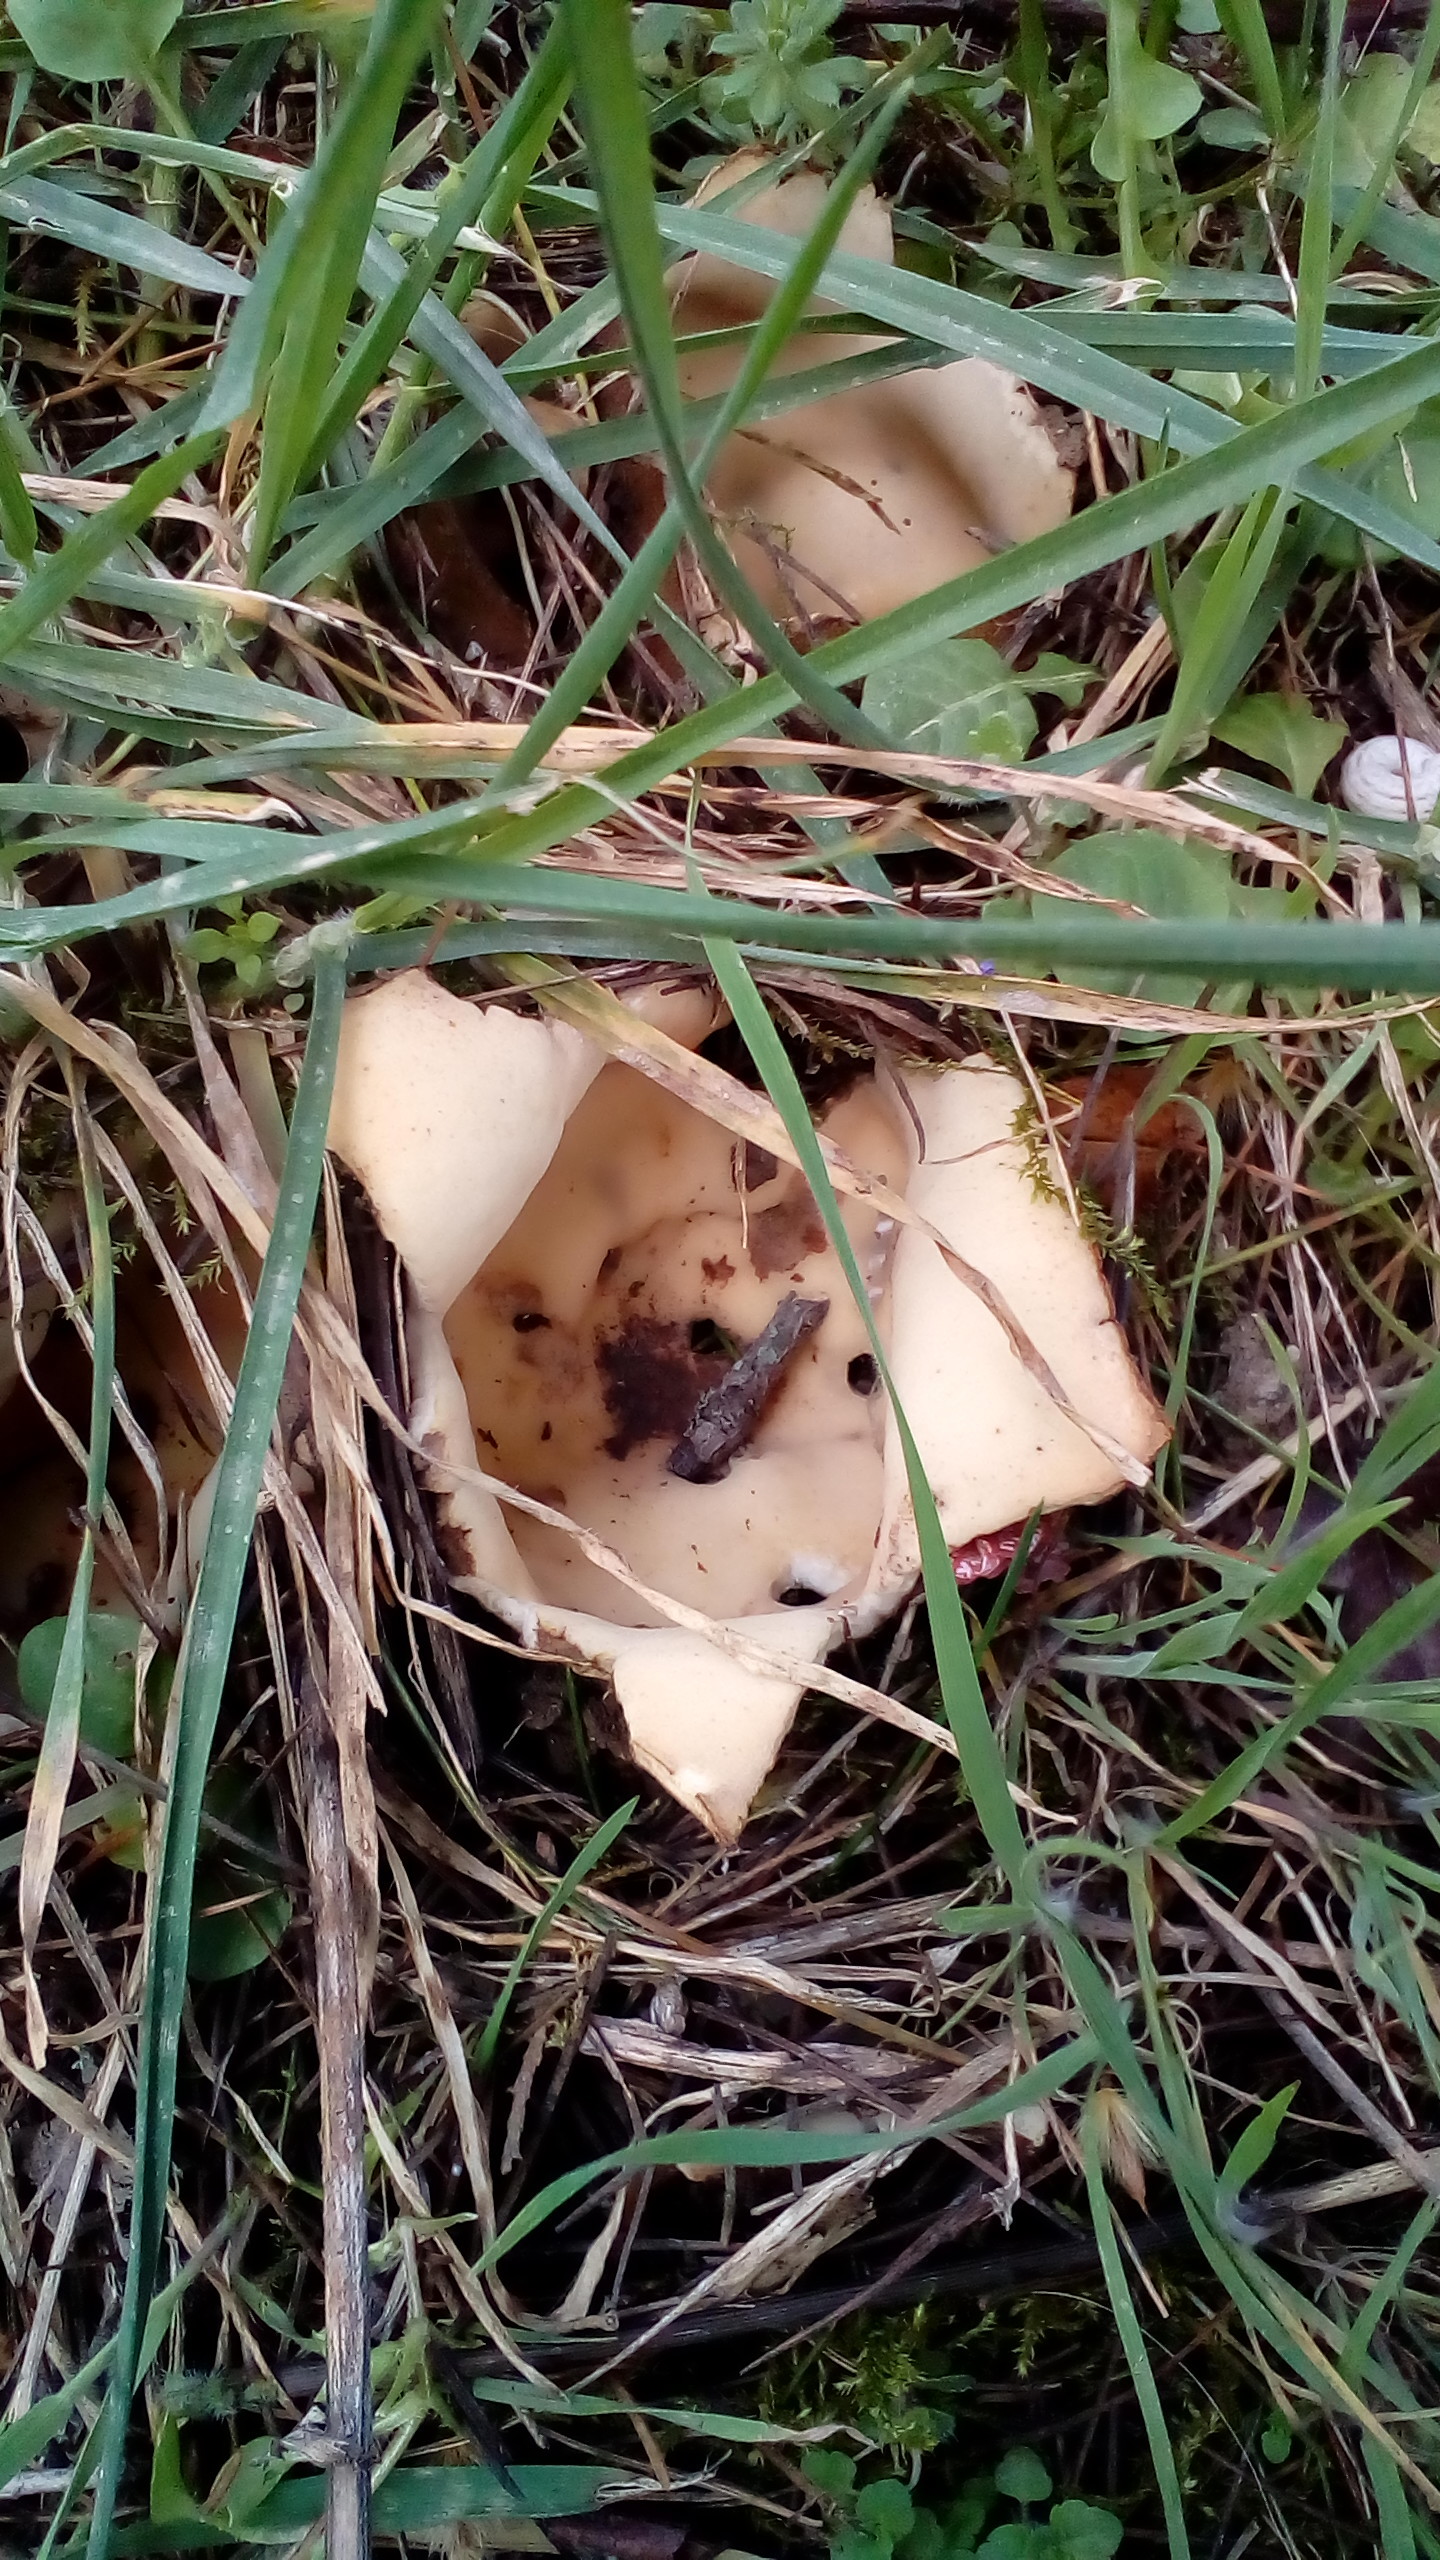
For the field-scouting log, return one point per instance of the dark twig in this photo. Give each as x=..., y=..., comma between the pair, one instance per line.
x=728, y=1413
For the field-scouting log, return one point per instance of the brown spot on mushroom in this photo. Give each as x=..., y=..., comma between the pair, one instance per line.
x=760, y=1166
x=652, y=1379
x=787, y=1233
x=717, y=1271
x=456, y=1553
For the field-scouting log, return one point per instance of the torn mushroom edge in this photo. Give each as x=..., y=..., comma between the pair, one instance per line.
x=471, y=1506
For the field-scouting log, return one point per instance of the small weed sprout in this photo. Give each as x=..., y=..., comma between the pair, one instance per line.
x=784, y=81
x=882, y=2520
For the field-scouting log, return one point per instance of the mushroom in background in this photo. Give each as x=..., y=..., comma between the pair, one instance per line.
x=862, y=501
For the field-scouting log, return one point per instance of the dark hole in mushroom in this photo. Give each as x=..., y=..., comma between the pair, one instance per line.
x=528, y=1321
x=798, y=1595
x=862, y=1374
x=14, y=754
x=706, y=1336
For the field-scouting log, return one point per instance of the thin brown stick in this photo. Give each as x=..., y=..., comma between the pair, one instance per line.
x=340, y=2038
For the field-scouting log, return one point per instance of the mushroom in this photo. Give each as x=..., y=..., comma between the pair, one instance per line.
x=864, y=500
x=588, y=1254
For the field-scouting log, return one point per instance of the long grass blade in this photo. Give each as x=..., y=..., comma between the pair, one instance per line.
x=196, y=1700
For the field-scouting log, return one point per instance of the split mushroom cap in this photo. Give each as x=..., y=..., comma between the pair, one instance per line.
x=868, y=498
x=586, y=1253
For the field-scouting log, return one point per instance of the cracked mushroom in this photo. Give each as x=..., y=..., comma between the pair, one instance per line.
x=594, y=1262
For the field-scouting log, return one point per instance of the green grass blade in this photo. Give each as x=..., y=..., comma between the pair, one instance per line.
x=1427, y=52
x=58, y=1742
x=60, y=574
x=315, y=261
x=764, y=2147
x=62, y=213
x=1244, y=23
x=981, y=1761
x=1313, y=274
x=196, y=1700
x=1401, y=958
x=600, y=1841
x=635, y=594
x=486, y=190
x=1132, y=2339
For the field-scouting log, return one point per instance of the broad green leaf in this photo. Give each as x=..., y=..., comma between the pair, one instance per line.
x=94, y=39
x=1282, y=730
x=107, y=1694
x=1234, y=129
x=1017, y=2541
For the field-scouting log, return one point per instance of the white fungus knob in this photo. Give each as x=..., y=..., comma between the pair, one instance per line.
x=1374, y=775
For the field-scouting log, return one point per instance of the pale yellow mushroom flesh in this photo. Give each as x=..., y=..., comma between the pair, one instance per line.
x=863, y=500
x=584, y=1250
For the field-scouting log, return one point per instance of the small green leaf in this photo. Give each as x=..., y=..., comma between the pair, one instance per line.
x=107, y=1697
x=238, y=1913
x=1280, y=729
x=1082, y=2532
x=1254, y=2145
x=93, y=39
x=850, y=2544
x=961, y=699
x=1018, y=2542
x=1370, y=104
x=1234, y=129
x=1158, y=101
x=1160, y=876
x=886, y=2509
x=1276, y=2441
x=1022, y=2475
x=832, y=2473
x=1424, y=133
